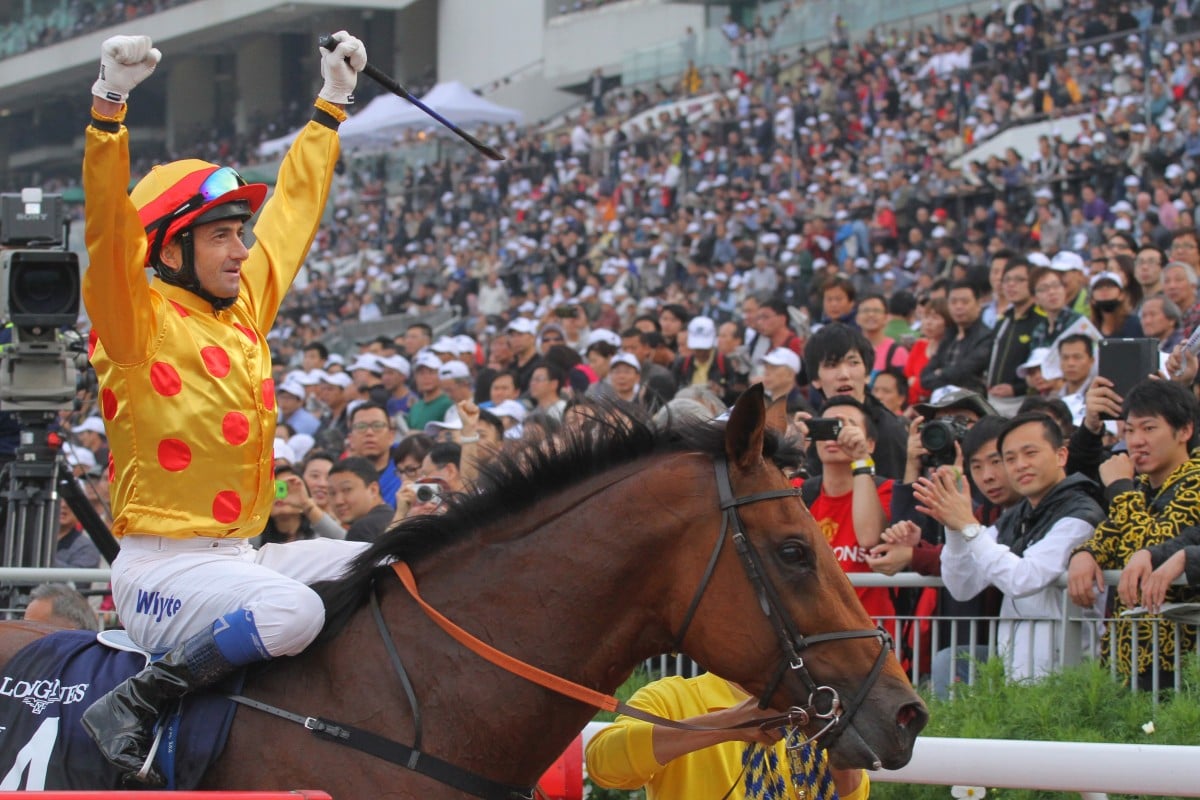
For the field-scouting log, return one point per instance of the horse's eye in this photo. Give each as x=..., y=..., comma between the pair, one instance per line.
x=793, y=552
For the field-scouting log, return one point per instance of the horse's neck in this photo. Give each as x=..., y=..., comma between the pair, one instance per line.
x=583, y=594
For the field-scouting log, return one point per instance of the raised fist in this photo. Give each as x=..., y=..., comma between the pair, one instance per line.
x=340, y=68
x=125, y=61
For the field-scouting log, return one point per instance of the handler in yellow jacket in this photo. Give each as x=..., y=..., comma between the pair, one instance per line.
x=188, y=401
x=730, y=764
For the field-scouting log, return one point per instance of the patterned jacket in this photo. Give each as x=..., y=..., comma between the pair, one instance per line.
x=1138, y=518
x=186, y=391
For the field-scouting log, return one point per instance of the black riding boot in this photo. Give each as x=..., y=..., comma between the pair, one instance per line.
x=121, y=721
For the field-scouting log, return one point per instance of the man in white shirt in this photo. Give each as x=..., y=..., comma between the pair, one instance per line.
x=1027, y=549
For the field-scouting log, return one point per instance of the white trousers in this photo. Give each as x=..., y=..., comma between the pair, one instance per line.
x=168, y=590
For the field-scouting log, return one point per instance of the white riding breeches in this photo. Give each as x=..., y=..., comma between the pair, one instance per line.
x=168, y=590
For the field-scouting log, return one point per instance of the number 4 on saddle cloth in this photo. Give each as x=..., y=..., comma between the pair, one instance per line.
x=44, y=691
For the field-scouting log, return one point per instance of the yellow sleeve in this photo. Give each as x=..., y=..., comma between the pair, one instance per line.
x=115, y=291
x=289, y=220
x=621, y=756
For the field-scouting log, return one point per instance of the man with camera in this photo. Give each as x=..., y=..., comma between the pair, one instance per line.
x=850, y=505
x=1027, y=549
x=188, y=399
x=1152, y=492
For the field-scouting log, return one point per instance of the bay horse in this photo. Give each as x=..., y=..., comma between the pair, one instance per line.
x=584, y=554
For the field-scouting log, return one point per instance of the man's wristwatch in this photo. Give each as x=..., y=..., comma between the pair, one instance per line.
x=863, y=466
x=971, y=531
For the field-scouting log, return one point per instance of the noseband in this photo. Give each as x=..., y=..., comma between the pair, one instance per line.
x=823, y=701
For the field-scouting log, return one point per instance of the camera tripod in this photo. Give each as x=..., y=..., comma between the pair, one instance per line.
x=38, y=480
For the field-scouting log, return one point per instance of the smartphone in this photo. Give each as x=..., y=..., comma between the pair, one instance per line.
x=824, y=429
x=1127, y=362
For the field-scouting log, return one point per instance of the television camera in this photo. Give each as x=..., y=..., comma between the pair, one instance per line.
x=42, y=360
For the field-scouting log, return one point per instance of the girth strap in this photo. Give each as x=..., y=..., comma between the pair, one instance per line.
x=396, y=753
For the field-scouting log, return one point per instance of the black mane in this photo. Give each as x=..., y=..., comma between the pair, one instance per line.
x=517, y=479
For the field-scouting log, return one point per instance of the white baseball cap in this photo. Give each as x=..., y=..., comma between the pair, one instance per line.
x=510, y=408
x=93, y=424
x=428, y=361
x=368, y=362
x=453, y=370
x=604, y=335
x=628, y=359
x=783, y=357
x=702, y=333
x=1066, y=261
x=523, y=325
x=338, y=379
x=398, y=363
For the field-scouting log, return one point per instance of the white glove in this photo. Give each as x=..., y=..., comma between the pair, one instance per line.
x=125, y=61
x=341, y=77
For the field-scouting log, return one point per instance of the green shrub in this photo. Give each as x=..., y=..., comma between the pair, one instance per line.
x=1081, y=704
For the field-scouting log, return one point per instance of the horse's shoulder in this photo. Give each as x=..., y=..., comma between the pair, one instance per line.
x=16, y=634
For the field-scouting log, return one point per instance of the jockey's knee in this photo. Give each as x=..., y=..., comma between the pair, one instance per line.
x=288, y=625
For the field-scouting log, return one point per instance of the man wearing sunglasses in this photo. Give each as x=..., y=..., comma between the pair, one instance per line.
x=188, y=401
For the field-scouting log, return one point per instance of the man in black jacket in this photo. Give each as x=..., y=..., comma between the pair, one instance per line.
x=1006, y=389
x=838, y=359
x=962, y=358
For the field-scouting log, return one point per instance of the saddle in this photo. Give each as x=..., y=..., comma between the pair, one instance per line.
x=47, y=686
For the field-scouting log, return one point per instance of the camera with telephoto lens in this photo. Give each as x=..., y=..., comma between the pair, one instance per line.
x=428, y=492
x=39, y=296
x=938, y=437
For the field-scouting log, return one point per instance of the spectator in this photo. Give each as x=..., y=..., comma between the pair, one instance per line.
x=371, y=436
x=871, y=318
x=936, y=322
x=773, y=330
x=394, y=378
x=290, y=398
x=890, y=388
x=74, y=547
x=704, y=365
x=522, y=337
x=847, y=500
x=1050, y=292
x=1028, y=547
x=1150, y=492
x=354, y=494
x=1014, y=330
x=1112, y=309
x=61, y=605
x=839, y=355
x=90, y=434
x=546, y=390
x=1148, y=269
x=1161, y=320
x=433, y=403
x=962, y=356
x=1077, y=361
x=623, y=375
x=1179, y=286
x=780, y=368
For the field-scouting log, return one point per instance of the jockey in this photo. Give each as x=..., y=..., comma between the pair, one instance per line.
x=188, y=401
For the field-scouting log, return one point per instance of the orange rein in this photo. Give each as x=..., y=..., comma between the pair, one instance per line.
x=503, y=660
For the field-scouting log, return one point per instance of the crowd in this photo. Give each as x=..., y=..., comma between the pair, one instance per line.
x=71, y=19
x=811, y=234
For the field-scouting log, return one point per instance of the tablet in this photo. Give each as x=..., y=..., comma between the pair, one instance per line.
x=1127, y=362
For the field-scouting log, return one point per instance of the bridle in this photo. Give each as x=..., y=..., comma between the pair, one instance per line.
x=824, y=702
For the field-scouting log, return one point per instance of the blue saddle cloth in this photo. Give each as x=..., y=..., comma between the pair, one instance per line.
x=46, y=688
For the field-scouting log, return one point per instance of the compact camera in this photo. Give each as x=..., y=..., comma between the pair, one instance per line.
x=428, y=492
x=824, y=429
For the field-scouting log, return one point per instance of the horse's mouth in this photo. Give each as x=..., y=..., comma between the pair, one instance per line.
x=887, y=750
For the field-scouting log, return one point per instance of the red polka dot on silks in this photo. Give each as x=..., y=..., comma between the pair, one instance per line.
x=93, y=338
x=112, y=469
x=235, y=427
x=250, y=334
x=165, y=379
x=269, y=394
x=174, y=455
x=108, y=403
x=216, y=361
x=226, y=507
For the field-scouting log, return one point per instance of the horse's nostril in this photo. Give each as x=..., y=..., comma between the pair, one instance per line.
x=912, y=715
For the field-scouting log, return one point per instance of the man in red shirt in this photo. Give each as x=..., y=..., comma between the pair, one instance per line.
x=852, y=506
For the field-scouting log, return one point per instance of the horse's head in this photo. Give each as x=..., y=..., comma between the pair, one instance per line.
x=800, y=637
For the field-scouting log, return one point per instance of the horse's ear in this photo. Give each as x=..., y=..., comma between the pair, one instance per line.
x=777, y=418
x=744, y=430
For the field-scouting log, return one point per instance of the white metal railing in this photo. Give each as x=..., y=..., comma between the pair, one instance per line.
x=1068, y=631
